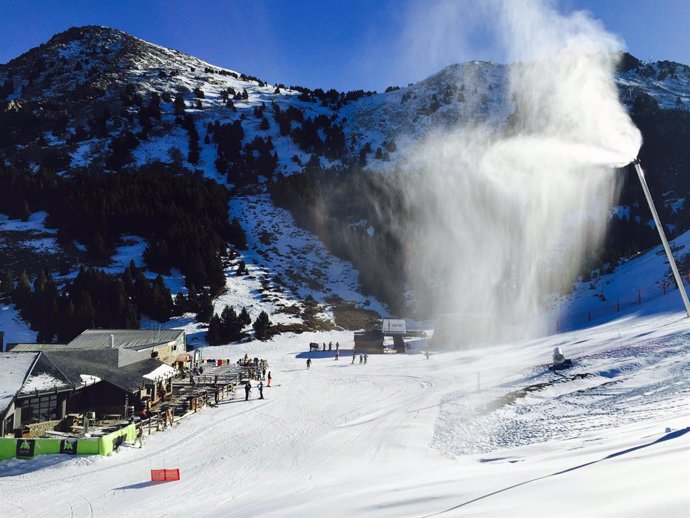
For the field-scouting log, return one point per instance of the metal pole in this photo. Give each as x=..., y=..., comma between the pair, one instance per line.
x=662, y=235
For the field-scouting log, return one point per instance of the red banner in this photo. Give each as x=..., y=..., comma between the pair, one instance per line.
x=172, y=474
x=164, y=475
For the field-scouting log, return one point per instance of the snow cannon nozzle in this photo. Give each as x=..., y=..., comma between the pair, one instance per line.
x=636, y=161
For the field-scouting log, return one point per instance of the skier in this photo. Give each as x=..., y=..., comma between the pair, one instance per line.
x=366, y=357
x=330, y=346
x=324, y=346
x=361, y=359
x=336, y=354
x=337, y=346
x=426, y=353
x=247, y=388
x=308, y=363
x=353, y=356
x=261, y=390
x=269, y=378
x=263, y=374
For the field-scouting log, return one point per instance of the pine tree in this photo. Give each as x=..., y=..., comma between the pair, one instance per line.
x=161, y=304
x=244, y=318
x=6, y=283
x=205, y=310
x=22, y=291
x=213, y=335
x=262, y=326
x=180, y=305
x=192, y=297
x=25, y=212
x=232, y=327
x=179, y=105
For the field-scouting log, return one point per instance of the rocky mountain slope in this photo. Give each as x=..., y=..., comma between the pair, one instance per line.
x=95, y=100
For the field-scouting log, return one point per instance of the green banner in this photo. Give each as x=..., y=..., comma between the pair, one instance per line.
x=29, y=448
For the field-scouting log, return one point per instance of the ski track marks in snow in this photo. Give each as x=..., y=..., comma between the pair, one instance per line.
x=620, y=386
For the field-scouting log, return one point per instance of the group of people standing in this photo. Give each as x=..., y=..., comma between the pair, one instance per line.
x=330, y=346
x=248, y=386
x=362, y=358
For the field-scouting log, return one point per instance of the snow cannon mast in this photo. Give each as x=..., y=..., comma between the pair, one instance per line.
x=662, y=234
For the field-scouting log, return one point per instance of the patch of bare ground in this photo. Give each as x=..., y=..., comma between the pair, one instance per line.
x=348, y=316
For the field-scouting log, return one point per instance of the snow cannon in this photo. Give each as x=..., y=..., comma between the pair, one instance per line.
x=559, y=360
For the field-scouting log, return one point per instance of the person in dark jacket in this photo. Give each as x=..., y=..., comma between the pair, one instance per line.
x=247, y=388
x=261, y=390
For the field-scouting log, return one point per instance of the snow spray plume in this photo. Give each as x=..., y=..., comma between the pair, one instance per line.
x=507, y=211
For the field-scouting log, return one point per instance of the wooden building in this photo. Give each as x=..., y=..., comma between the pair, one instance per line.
x=48, y=385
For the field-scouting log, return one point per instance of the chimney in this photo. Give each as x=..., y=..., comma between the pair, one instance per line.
x=112, y=341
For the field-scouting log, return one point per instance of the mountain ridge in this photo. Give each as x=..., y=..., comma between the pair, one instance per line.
x=100, y=99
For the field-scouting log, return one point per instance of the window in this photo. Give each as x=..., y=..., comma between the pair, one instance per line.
x=39, y=409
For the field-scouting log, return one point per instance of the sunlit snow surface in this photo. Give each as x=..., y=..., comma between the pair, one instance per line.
x=407, y=436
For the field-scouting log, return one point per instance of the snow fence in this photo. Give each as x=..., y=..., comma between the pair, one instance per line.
x=29, y=448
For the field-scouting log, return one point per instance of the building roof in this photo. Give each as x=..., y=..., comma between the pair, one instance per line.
x=14, y=369
x=27, y=373
x=124, y=338
x=93, y=339
x=34, y=348
x=45, y=377
x=122, y=368
x=161, y=372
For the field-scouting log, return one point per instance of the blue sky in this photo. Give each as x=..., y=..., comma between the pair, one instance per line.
x=347, y=44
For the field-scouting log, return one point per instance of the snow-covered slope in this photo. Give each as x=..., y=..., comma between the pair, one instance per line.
x=466, y=93
x=484, y=432
x=667, y=82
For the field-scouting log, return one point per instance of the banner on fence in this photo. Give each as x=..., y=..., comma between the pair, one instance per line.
x=25, y=448
x=165, y=475
x=68, y=446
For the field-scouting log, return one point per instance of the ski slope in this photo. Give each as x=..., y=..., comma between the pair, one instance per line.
x=481, y=432
x=407, y=436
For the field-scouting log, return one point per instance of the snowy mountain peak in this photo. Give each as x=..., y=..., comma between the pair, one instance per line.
x=87, y=63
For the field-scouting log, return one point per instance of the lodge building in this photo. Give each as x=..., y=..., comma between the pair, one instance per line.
x=100, y=371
